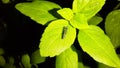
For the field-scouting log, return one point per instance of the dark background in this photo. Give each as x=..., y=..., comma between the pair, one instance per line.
x=19, y=34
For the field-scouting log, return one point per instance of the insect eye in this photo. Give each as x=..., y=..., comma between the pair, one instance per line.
x=64, y=32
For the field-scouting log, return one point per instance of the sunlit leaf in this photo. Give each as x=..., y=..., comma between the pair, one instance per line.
x=79, y=21
x=94, y=42
x=57, y=37
x=95, y=20
x=112, y=27
x=26, y=61
x=67, y=59
x=87, y=7
x=39, y=11
x=36, y=57
x=66, y=13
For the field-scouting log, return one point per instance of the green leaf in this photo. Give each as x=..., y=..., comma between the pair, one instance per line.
x=1, y=51
x=6, y=1
x=39, y=11
x=67, y=59
x=2, y=61
x=11, y=60
x=26, y=61
x=95, y=20
x=80, y=65
x=100, y=65
x=87, y=7
x=79, y=21
x=36, y=57
x=66, y=13
x=112, y=27
x=10, y=63
x=94, y=42
x=78, y=5
x=57, y=37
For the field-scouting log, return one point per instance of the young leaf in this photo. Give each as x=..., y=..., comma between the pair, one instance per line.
x=52, y=41
x=38, y=11
x=98, y=46
x=67, y=59
x=66, y=13
x=36, y=57
x=78, y=5
x=95, y=20
x=87, y=7
x=79, y=21
x=26, y=61
x=112, y=27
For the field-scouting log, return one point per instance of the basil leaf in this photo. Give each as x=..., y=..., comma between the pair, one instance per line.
x=67, y=59
x=25, y=59
x=66, y=13
x=87, y=7
x=36, y=57
x=95, y=20
x=98, y=46
x=79, y=21
x=38, y=11
x=55, y=39
x=112, y=27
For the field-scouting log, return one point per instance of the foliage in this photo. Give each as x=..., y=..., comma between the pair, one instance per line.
x=64, y=25
x=112, y=24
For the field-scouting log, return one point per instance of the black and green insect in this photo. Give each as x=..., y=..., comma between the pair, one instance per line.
x=64, y=32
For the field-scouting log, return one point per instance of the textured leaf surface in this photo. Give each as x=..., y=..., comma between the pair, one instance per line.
x=79, y=21
x=98, y=46
x=87, y=7
x=52, y=43
x=36, y=57
x=67, y=59
x=112, y=27
x=38, y=11
x=66, y=13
